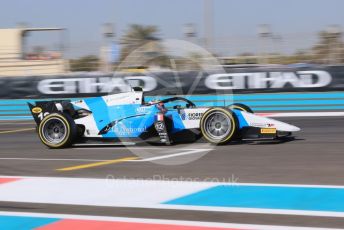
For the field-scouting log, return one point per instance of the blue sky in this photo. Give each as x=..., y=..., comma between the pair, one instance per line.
x=239, y=18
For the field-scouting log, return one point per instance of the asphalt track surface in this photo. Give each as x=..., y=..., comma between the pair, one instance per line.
x=315, y=156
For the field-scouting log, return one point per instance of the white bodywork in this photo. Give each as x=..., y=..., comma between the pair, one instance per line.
x=124, y=98
x=191, y=119
x=91, y=129
x=263, y=122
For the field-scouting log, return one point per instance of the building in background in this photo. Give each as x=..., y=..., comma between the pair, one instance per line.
x=17, y=58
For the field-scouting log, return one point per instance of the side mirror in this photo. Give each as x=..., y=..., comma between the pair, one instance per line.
x=137, y=89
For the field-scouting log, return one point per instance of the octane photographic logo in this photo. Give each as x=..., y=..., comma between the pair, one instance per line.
x=176, y=56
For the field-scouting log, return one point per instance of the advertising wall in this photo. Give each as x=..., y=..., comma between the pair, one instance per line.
x=242, y=81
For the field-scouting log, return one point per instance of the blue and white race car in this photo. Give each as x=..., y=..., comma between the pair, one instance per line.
x=120, y=116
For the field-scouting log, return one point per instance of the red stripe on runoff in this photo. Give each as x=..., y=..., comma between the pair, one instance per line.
x=4, y=180
x=110, y=225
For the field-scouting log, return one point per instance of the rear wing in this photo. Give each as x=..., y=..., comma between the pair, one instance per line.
x=43, y=108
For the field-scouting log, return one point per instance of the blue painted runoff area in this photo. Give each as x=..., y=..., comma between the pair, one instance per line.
x=16, y=118
x=17, y=109
x=24, y=223
x=267, y=197
x=14, y=108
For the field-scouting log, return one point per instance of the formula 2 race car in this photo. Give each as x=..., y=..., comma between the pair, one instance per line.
x=127, y=115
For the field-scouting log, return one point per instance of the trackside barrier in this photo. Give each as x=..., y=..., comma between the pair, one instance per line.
x=17, y=109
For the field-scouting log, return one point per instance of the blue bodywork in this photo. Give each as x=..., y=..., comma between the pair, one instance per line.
x=132, y=120
x=241, y=120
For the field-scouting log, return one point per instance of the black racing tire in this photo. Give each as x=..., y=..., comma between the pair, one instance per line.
x=219, y=125
x=57, y=130
x=241, y=107
x=80, y=131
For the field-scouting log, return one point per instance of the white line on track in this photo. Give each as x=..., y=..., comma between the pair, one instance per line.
x=246, y=210
x=190, y=151
x=116, y=147
x=109, y=144
x=187, y=152
x=156, y=221
x=51, y=159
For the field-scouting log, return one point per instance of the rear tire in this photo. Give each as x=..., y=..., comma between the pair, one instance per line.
x=218, y=125
x=57, y=130
x=241, y=107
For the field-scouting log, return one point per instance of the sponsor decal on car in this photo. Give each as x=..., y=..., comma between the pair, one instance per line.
x=268, y=131
x=159, y=126
x=261, y=125
x=143, y=109
x=191, y=116
x=36, y=110
x=160, y=117
x=123, y=130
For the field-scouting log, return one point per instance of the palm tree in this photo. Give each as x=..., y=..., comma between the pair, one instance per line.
x=330, y=47
x=136, y=36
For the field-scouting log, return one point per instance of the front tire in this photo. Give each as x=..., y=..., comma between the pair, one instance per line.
x=218, y=125
x=57, y=130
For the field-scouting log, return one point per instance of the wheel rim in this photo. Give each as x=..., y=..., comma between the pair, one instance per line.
x=54, y=131
x=218, y=125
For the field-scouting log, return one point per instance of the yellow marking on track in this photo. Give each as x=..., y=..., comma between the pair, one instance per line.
x=16, y=130
x=107, y=162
